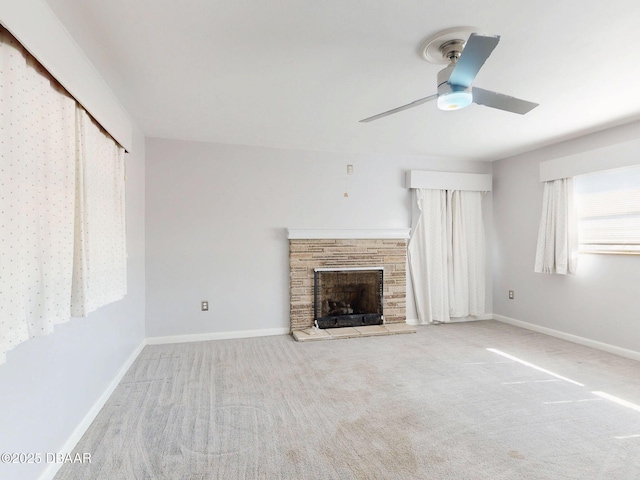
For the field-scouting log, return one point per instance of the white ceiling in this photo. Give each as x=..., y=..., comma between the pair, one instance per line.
x=300, y=74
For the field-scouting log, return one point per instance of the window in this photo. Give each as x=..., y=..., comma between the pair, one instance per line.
x=608, y=208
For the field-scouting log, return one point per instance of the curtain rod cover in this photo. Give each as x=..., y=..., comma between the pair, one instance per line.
x=619, y=155
x=475, y=182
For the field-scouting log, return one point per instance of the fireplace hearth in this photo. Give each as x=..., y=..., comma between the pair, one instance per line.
x=348, y=297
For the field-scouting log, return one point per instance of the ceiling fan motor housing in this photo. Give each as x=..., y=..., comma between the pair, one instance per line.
x=452, y=97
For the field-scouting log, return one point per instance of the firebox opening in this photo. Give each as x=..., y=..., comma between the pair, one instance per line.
x=348, y=297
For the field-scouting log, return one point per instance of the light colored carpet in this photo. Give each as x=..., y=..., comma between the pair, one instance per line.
x=432, y=405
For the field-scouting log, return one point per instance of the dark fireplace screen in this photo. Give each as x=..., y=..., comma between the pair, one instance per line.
x=348, y=297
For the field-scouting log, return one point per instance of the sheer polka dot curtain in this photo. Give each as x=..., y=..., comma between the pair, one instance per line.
x=100, y=257
x=55, y=238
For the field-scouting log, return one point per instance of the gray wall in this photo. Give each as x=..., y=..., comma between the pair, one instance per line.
x=600, y=302
x=49, y=384
x=217, y=218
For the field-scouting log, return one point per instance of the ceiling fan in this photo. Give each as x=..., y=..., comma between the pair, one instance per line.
x=464, y=58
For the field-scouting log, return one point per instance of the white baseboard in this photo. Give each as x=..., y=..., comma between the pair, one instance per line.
x=51, y=470
x=587, y=342
x=204, y=337
x=473, y=318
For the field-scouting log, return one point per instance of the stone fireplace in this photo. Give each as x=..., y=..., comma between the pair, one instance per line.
x=312, y=251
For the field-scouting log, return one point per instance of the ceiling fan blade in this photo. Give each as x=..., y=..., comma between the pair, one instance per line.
x=475, y=53
x=502, y=102
x=399, y=109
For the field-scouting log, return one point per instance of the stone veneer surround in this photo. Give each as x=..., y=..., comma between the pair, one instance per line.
x=305, y=254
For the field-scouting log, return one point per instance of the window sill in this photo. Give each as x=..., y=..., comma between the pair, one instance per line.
x=609, y=252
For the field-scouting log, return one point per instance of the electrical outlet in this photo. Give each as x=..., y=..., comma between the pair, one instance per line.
x=204, y=305
x=511, y=295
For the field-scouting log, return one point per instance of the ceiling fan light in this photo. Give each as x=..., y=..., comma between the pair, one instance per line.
x=454, y=100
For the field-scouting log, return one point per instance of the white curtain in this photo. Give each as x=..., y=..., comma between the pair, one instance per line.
x=62, y=222
x=447, y=255
x=37, y=124
x=100, y=259
x=557, y=236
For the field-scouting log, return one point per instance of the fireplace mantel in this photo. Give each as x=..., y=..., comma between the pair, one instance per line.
x=355, y=234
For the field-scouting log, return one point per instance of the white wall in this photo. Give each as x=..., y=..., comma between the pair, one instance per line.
x=217, y=218
x=600, y=302
x=49, y=384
